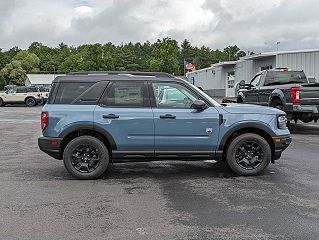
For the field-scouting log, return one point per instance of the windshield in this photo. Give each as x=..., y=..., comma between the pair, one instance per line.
x=216, y=104
x=276, y=77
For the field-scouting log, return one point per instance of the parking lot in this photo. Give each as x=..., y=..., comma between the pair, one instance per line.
x=156, y=200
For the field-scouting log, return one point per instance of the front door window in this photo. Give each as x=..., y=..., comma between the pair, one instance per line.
x=172, y=95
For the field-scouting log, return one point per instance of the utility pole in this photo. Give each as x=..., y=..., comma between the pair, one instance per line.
x=278, y=43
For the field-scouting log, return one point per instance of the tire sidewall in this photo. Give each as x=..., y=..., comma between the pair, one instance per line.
x=232, y=148
x=1, y=102
x=30, y=105
x=104, y=157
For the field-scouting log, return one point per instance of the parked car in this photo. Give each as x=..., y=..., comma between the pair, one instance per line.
x=92, y=119
x=28, y=95
x=283, y=89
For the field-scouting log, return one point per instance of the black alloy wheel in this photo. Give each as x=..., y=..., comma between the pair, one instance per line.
x=249, y=155
x=85, y=158
x=30, y=102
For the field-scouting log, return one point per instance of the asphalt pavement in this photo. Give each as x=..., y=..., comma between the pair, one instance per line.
x=155, y=200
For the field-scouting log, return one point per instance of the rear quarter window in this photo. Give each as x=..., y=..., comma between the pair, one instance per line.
x=79, y=93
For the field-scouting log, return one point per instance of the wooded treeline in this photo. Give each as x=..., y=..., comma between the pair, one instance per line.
x=164, y=55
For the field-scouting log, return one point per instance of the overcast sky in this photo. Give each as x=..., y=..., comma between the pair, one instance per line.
x=254, y=25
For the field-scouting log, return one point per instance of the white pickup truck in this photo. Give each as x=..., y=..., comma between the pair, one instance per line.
x=28, y=95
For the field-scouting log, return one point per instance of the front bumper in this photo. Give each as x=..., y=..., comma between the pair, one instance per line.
x=281, y=143
x=51, y=146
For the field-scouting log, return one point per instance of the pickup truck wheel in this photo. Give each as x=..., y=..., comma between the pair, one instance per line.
x=1, y=102
x=277, y=104
x=30, y=102
x=240, y=100
x=86, y=157
x=248, y=154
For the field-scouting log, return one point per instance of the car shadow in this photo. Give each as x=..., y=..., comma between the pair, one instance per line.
x=168, y=169
x=304, y=129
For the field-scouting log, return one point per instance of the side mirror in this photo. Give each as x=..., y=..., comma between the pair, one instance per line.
x=199, y=105
x=242, y=83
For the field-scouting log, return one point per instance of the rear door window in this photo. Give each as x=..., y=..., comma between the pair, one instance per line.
x=21, y=90
x=126, y=94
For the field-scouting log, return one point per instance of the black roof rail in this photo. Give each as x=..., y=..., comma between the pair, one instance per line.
x=132, y=73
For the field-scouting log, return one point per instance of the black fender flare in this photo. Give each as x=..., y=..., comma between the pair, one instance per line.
x=98, y=129
x=276, y=94
x=241, y=126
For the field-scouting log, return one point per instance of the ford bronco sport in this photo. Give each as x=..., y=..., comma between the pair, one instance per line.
x=28, y=95
x=95, y=118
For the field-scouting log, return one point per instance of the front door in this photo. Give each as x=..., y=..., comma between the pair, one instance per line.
x=251, y=95
x=181, y=130
x=124, y=112
x=230, y=84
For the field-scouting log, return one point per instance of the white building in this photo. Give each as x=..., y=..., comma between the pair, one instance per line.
x=220, y=79
x=44, y=80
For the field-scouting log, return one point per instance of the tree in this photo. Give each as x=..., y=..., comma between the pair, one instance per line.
x=165, y=56
x=21, y=64
x=29, y=61
x=13, y=73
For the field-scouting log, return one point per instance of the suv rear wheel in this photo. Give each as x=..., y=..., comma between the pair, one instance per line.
x=86, y=157
x=30, y=102
x=248, y=154
x=1, y=102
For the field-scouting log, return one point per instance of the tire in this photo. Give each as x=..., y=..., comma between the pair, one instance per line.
x=254, y=161
x=77, y=160
x=277, y=104
x=240, y=100
x=30, y=102
x=1, y=102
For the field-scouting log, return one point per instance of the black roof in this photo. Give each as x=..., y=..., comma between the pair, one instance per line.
x=112, y=75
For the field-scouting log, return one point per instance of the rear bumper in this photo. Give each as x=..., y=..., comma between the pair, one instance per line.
x=281, y=143
x=51, y=146
x=293, y=108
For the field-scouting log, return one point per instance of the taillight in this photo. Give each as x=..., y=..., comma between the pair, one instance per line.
x=44, y=120
x=295, y=95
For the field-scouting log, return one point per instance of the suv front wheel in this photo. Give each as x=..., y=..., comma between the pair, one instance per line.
x=86, y=157
x=248, y=154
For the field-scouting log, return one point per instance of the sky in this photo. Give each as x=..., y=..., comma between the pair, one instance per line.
x=253, y=25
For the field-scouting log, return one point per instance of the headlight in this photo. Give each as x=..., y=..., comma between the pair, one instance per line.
x=282, y=122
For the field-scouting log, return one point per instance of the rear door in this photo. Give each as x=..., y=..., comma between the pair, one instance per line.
x=124, y=112
x=180, y=130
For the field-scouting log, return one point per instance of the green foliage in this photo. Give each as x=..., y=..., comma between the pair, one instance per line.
x=29, y=61
x=15, y=72
x=165, y=55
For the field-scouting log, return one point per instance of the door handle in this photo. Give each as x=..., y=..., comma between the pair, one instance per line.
x=167, y=116
x=111, y=116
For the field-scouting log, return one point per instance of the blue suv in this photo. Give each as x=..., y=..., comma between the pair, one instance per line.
x=94, y=118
